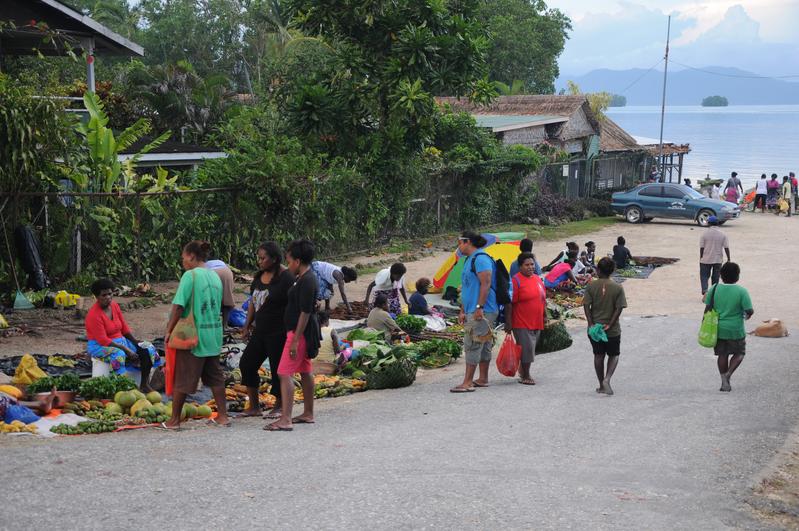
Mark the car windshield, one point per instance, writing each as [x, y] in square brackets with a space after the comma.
[693, 194]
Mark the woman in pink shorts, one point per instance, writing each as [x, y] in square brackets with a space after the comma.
[302, 337]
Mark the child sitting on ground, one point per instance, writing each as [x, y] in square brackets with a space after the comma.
[590, 250]
[330, 347]
[621, 254]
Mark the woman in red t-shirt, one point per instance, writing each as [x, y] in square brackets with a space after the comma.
[110, 338]
[525, 316]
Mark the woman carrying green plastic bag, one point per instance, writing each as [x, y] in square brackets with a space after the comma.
[731, 305]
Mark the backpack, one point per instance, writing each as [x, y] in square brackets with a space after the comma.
[500, 278]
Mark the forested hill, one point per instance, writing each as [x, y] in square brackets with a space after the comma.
[688, 87]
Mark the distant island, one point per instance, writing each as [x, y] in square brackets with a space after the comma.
[617, 100]
[715, 101]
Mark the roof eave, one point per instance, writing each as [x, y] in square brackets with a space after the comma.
[114, 38]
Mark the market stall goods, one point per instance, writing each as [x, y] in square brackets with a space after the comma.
[17, 427]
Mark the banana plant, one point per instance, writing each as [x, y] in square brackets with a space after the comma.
[102, 171]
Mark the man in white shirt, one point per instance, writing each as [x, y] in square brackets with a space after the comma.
[711, 246]
[761, 189]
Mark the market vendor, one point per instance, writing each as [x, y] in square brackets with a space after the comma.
[42, 406]
[561, 276]
[380, 320]
[391, 283]
[111, 339]
[328, 274]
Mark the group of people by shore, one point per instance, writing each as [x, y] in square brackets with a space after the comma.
[772, 194]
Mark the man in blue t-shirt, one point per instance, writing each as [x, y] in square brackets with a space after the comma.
[479, 310]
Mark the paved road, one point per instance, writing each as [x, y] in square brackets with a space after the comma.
[668, 451]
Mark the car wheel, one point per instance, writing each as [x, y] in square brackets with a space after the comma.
[633, 215]
[647, 220]
[703, 216]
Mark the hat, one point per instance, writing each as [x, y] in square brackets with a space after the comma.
[712, 220]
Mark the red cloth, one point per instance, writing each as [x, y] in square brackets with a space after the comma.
[300, 363]
[169, 370]
[102, 329]
[557, 271]
[529, 302]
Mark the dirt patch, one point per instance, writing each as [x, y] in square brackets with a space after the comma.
[775, 500]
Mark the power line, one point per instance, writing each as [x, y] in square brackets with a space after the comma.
[734, 75]
[639, 78]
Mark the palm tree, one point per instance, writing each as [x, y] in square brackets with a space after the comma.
[515, 89]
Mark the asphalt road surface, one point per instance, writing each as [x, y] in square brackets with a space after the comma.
[668, 451]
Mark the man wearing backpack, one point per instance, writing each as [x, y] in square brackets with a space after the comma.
[479, 310]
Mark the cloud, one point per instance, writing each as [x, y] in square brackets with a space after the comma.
[634, 37]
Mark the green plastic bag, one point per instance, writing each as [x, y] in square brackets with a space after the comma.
[709, 331]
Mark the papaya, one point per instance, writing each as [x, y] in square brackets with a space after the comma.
[154, 397]
[140, 405]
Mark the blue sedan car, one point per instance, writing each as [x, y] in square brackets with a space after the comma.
[676, 201]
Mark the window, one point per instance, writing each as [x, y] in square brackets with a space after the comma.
[651, 191]
[673, 192]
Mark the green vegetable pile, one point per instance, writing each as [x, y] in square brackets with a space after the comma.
[411, 323]
[66, 382]
[105, 387]
[437, 353]
[362, 334]
[102, 426]
[554, 337]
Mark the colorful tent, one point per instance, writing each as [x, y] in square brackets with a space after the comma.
[501, 246]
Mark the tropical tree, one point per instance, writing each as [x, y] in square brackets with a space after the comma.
[514, 89]
[598, 101]
[527, 37]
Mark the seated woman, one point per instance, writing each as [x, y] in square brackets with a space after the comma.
[380, 320]
[330, 346]
[418, 304]
[571, 247]
[110, 337]
[561, 276]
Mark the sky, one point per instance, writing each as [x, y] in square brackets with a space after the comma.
[761, 36]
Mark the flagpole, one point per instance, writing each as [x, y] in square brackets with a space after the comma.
[661, 160]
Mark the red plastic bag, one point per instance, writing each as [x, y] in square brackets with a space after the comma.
[169, 370]
[509, 355]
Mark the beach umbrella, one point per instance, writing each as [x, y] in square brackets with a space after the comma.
[501, 246]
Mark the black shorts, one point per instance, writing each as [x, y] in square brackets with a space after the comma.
[730, 347]
[611, 347]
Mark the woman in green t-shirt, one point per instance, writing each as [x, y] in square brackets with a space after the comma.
[733, 304]
[199, 293]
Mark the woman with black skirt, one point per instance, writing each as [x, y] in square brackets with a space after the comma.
[264, 326]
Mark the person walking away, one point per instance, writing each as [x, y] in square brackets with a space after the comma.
[735, 183]
[603, 303]
[733, 304]
[711, 245]
[525, 246]
[525, 316]
[787, 194]
[479, 310]
[761, 191]
[391, 283]
[795, 187]
[327, 275]
[302, 337]
[226, 276]
[264, 329]
[731, 194]
[621, 254]
[199, 293]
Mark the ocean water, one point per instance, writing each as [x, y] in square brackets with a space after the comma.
[749, 139]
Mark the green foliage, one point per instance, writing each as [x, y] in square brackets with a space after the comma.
[34, 132]
[715, 101]
[411, 323]
[526, 39]
[598, 101]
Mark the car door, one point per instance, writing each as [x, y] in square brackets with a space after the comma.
[651, 199]
[674, 202]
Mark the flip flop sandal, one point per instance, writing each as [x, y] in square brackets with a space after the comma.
[478, 384]
[298, 420]
[164, 427]
[213, 422]
[271, 415]
[526, 382]
[462, 390]
[246, 415]
[273, 427]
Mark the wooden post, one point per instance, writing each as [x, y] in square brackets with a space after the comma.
[137, 240]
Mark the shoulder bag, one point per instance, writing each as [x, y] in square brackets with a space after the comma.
[184, 335]
[709, 330]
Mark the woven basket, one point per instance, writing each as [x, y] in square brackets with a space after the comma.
[324, 368]
[553, 338]
[400, 374]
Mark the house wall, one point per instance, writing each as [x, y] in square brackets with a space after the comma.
[529, 136]
[578, 126]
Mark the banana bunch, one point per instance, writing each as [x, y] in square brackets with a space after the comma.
[78, 408]
[17, 426]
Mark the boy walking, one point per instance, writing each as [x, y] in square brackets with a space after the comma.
[603, 303]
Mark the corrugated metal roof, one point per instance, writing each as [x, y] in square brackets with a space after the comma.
[507, 122]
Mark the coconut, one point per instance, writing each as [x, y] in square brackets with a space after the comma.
[125, 399]
[154, 397]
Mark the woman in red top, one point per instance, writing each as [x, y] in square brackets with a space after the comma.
[526, 314]
[110, 337]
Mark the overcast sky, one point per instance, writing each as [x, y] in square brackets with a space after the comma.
[761, 36]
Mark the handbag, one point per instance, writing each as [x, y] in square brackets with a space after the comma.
[184, 335]
[709, 330]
